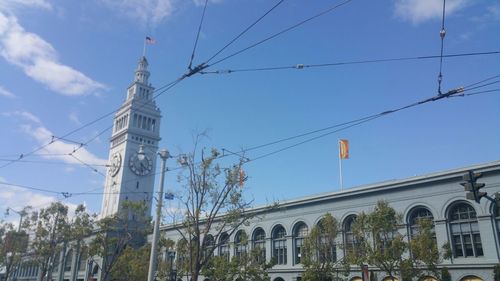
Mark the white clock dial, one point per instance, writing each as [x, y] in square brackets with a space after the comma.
[140, 167]
[115, 164]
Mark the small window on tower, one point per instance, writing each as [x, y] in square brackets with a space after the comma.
[137, 185]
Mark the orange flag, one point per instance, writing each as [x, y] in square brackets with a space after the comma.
[344, 149]
[242, 177]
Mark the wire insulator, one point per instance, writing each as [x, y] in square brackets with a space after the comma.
[442, 33]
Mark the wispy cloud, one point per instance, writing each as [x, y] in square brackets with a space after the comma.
[202, 2]
[18, 198]
[147, 12]
[418, 11]
[27, 116]
[73, 117]
[38, 59]
[59, 150]
[14, 4]
[6, 93]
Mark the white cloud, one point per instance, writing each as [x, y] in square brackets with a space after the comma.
[73, 117]
[6, 93]
[148, 12]
[202, 2]
[39, 60]
[13, 4]
[58, 149]
[417, 11]
[24, 115]
[18, 198]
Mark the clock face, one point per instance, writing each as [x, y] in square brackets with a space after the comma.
[115, 164]
[140, 167]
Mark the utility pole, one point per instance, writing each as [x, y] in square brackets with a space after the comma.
[164, 154]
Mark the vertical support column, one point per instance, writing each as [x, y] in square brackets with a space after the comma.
[269, 249]
[289, 250]
[74, 264]
[487, 231]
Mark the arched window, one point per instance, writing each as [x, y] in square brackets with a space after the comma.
[299, 234]
[240, 243]
[68, 261]
[259, 242]
[224, 245]
[348, 236]
[278, 279]
[208, 246]
[415, 216]
[83, 260]
[279, 244]
[464, 229]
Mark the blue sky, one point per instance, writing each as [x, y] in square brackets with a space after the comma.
[66, 63]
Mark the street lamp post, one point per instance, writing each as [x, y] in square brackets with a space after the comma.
[21, 214]
[164, 154]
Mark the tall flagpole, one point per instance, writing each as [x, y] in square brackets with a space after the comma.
[144, 48]
[340, 166]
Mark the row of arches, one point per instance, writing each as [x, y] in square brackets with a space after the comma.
[462, 223]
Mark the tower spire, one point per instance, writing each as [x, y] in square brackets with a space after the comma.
[142, 73]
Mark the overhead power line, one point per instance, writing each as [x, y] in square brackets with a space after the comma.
[442, 34]
[282, 31]
[353, 62]
[158, 92]
[198, 35]
[244, 31]
[338, 127]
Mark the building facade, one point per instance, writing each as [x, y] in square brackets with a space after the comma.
[471, 229]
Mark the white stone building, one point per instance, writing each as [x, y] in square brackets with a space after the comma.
[473, 230]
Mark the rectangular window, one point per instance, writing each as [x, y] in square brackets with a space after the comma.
[458, 246]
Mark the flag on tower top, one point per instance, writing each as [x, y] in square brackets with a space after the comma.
[344, 149]
[150, 40]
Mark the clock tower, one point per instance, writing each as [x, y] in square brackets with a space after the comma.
[133, 146]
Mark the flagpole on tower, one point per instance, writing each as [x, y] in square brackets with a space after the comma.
[144, 49]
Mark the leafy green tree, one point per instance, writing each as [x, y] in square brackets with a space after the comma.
[213, 204]
[496, 273]
[13, 244]
[165, 267]
[81, 227]
[425, 255]
[319, 257]
[247, 266]
[132, 264]
[51, 231]
[114, 234]
[445, 274]
[377, 236]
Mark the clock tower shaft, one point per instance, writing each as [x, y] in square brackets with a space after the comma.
[136, 124]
